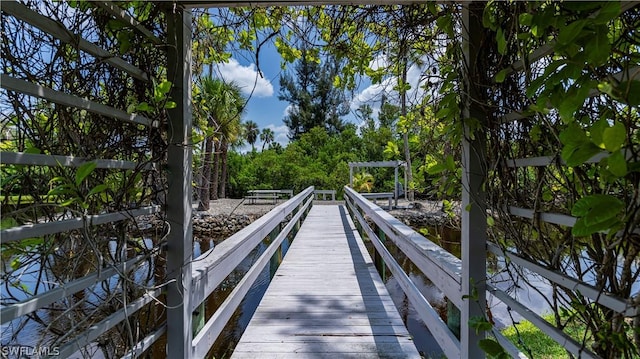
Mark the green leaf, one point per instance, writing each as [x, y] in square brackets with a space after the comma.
[68, 202]
[97, 189]
[124, 43]
[83, 171]
[577, 155]
[143, 106]
[490, 221]
[631, 92]
[60, 190]
[597, 131]
[609, 11]
[480, 324]
[502, 42]
[573, 134]
[568, 34]
[606, 87]
[436, 168]
[489, 17]
[597, 202]
[16, 263]
[500, 76]
[599, 48]
[32, 149]
[451, 164]
[445, 23]
[597, 213]
[491, 347]
[164, 87]
[581, 229]
[617, 164]
[525, 19]
[614, 137]
[170, 104]
[6, 223]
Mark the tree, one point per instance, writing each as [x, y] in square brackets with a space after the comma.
[267, 136]
[315, 102]
[251, 132]
[220, 104]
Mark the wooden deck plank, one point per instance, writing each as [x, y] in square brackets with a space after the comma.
[326, 300]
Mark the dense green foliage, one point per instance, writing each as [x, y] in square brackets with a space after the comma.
[316, 159]
[570, 110]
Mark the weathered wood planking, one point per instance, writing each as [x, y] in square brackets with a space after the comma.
[326, 300]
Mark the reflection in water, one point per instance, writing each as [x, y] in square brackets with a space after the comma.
[230, 335]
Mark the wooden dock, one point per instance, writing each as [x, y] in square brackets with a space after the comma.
[326, 300]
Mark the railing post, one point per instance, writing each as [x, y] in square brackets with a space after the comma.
[179, 177]
[382, 268]
[276, 259]
[474, 221]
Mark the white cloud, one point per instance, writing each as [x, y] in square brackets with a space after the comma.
[247, 77]
[288, 110]
[381, 61]
[280, 133]
[372, 95]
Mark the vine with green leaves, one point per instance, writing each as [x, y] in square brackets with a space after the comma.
[39, 194]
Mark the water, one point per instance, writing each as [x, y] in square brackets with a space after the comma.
[532, 292]
[231, 334]
[32, 278]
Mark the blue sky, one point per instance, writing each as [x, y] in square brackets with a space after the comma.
[263, 106]
[267, 111]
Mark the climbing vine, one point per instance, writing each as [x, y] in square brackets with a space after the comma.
[38, 194]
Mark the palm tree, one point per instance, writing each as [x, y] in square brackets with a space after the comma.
[229, 135]
[251, 132]
[363, 182]
[220, 104]
[267, 136]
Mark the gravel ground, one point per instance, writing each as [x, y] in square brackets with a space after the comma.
[240, 206]
[230, 206]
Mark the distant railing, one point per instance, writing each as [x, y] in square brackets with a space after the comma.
[321, 194]
[213, 266]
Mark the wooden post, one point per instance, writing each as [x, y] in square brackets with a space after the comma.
[351, 176]
[382, 268]
[276, 259]
[453, 318]
[395, 183]
[474, 218]
[179, 175]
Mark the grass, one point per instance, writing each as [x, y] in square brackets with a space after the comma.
[533, 340]
[27, 199]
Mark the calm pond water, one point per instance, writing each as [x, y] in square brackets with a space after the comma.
[534, 297]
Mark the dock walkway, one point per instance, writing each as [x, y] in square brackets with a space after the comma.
[326, 300]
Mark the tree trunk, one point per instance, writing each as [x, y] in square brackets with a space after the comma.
[203, 204]
[405, 136]
[223, 176]
[213, 193]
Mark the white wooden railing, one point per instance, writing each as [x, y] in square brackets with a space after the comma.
[213, 266]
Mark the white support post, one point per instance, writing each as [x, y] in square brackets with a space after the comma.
[395, 183]
[474, 218]
[179, 175]
[350, 176]
[406, 185]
